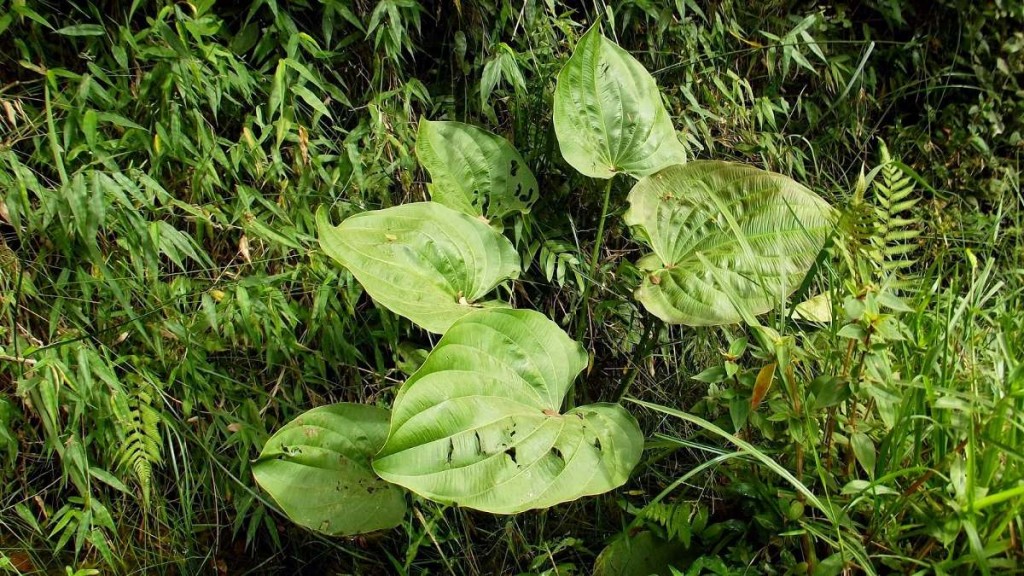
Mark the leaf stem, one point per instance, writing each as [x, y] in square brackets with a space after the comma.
[18, 360]
[595, 255]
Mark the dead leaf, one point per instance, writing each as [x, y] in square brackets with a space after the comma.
[762, 385]
[243, 249]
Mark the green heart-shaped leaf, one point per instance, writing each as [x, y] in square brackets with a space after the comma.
[728, 240]
[478, 424]
[474, 171]
[317, 469]
[609, 117]
[423, 261]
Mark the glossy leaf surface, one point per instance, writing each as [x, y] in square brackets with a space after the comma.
[609, 117]
[479, 424]
[317, 469]
[728, 240]
[474, 171]
[423, 261]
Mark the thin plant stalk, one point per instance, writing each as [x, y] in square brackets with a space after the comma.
[643, 353]
[570, 396]
[595, 255]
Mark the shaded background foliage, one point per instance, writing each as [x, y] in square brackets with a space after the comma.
[164, 305]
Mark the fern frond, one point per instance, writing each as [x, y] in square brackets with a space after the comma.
[674, 518]
[896, 228]
[857, 226]
[9, 266]
[141, 450]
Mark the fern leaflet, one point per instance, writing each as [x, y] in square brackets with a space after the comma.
[895, 239]
[141, 451]
[674, 518]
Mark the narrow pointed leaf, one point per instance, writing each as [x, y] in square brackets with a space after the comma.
[729, 241]
[317, 469]
[478, 424]
[474, 171]
[423, 261]
[609, 117]
[762, 384]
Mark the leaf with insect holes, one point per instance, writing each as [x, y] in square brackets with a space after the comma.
[317, 469]
[608, 113]
[478, 424]
[474, 171]
[729, 241]
[423, 261]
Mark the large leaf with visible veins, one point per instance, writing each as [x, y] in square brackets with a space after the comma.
[423, 261]
[730, 241]
[317, 469]
[609, 117]
[474, 171]
[478, 425]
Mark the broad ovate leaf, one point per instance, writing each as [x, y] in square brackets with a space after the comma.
[423, 261]
[474, 171]
[815, 309]
[478, 425]
[609, 117]
[317, 469]
[730, 241]
[644, 554]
